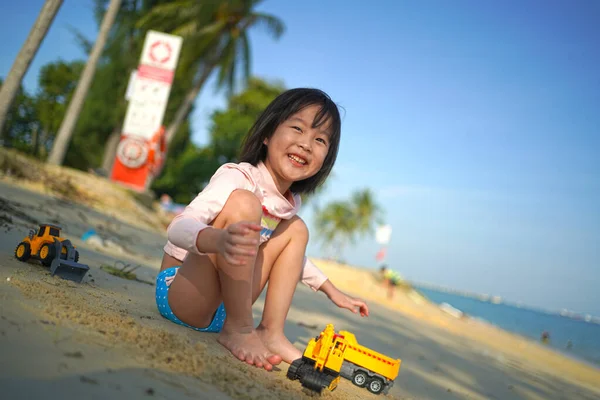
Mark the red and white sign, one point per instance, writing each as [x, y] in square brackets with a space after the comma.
[132, 152]
[148, 94]
[161, 50]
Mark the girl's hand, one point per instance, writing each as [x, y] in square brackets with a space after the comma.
[237, 242]
[355, 305]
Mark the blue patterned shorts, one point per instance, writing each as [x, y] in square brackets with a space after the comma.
[162, 302]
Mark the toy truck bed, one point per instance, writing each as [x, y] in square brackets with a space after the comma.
[370, 359]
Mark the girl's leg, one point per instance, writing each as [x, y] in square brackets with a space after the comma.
[168, 262]
[195, 292]
[199, 287]
[238, 334]
[280, 261]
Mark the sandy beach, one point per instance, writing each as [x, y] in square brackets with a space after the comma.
[104, 338]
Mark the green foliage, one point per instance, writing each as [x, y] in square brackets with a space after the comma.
[340, 222]
[34, 120]
[188, 173]
[57, 82]
[229, 127]
[21, 122]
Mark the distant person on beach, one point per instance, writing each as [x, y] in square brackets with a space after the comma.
[545, 337]
[391, 279]
[243, 231]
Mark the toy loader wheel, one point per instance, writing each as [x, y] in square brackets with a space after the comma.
[292, 372]
[47, 254]
[314, 381]
[23, 251]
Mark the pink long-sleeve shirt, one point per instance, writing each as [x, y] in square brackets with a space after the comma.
[199, 214]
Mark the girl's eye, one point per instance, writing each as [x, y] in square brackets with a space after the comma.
[322, 141]
[297, 128]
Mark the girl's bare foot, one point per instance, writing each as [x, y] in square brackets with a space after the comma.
[248, 347]
[277, 343]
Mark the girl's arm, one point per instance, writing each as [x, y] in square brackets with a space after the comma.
[318, 281]
[190, 231]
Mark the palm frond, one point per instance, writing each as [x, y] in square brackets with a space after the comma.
[273, 25]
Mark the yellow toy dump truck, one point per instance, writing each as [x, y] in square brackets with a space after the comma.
[53, 251]
[330, 356]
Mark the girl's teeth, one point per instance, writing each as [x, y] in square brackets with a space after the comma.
[298, 160]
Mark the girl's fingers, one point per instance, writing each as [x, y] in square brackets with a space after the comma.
[234, 260]
[362, 306]
[236, 252]
[251, 226]
[243, 241]
[244, 228]
[241, 250]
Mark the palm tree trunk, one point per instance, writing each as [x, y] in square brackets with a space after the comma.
[61, 143]
[23, 61]
[35, 140]
[185, 107]
[110, 149]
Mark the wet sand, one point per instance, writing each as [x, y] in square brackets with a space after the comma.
[104, 338]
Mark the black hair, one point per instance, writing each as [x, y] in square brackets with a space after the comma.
[279, 110]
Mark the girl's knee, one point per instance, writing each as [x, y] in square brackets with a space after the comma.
[297, 229]
[242, 205]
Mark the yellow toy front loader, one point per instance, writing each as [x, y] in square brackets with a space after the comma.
[53, 251]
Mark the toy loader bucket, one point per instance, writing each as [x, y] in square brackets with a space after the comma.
[67, 268]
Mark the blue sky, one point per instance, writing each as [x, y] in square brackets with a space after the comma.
[476, 124]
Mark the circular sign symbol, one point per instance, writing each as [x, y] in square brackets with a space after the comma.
[160, 52]
[132, 152]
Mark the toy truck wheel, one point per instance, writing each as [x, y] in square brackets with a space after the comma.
[359, 378]
[76, 257]
[375, 386]
[23, 251]
[47, 254]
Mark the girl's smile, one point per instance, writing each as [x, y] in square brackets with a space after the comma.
[297, 160]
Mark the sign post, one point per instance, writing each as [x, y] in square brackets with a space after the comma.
[142, 140]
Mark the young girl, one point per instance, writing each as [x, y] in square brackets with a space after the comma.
[242, 231]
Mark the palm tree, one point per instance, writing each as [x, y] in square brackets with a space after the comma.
[366, 211]
[63, 137]
[215, 39]
[339, 222]
[336, 226]
[11, 85]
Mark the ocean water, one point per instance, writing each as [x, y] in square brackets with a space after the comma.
[584, 336]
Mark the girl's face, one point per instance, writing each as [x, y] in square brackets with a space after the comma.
[296, 151]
